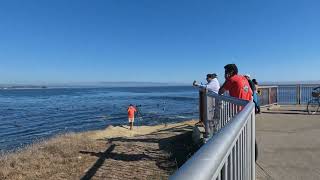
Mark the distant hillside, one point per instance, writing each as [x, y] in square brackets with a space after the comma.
[22, 87]
[93, 84]
[137, 84]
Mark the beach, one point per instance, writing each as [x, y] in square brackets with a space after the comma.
[30, 115]
[147, 152]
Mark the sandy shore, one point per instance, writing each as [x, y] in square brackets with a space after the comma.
[147, 152]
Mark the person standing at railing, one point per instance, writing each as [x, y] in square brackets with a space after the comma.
[256, 101]
[237, 85]
[252, 86]
[254, 91]
[211, 86]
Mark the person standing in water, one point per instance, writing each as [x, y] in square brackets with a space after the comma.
[131, 112]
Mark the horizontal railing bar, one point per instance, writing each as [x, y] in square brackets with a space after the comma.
[268, 87]
[230, 99]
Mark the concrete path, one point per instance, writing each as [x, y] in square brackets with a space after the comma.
[289, 144]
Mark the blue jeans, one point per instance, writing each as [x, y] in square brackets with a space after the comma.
[256, 102]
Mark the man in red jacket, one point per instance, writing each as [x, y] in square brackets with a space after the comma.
[237, 85]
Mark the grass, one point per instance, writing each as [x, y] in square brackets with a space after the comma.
[56, 158]
[150, 152]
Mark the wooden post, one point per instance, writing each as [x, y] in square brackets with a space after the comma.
[201, 105]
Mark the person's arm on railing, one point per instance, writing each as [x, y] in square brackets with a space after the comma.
[222, 89]
[202, 86]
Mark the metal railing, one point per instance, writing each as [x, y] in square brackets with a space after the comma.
[295, 94]
[268, 95]
[230, 153]
[286, 94]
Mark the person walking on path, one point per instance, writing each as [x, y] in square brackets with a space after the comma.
[131, 112]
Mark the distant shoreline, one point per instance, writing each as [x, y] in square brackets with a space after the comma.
[89, 87]
[126, 84]
[23, 87]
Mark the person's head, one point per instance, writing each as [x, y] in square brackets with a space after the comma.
[131, 105]
[247, 76]
[211, 76]
[255, 81]
[230, 70]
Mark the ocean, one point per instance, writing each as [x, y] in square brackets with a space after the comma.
[29, 115]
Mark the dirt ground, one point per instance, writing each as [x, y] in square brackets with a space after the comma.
[148, 152]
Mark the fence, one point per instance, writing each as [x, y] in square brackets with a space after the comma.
[295, 94]
[230, 153]
[286, 94]
[268, 95]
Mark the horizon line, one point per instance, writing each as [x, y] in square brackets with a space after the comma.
[106, 83]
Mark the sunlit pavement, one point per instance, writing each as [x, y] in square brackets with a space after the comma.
[289, 144]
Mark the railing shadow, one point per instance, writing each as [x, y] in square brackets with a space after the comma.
[178, 145]
[287, 111]
[102, 157]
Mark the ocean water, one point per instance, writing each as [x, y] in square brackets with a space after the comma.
[32, 114]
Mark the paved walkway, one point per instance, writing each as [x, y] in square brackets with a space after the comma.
[289, 144]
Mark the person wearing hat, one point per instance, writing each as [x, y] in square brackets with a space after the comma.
[254, 92]
[252, 86]
[212, 85]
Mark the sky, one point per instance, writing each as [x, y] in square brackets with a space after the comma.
[67, 41]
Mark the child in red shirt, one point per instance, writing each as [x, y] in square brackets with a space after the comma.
[131, 111]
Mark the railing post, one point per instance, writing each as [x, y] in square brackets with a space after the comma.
[277, 95]
[269, 95]
[205, 114]
[298, 94]
[201, 105]
[253, 145]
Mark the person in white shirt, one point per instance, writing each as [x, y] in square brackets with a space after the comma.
[212, 85]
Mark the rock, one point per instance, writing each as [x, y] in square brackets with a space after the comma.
[197, 134]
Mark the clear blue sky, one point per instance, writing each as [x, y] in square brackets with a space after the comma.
[157, 40]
